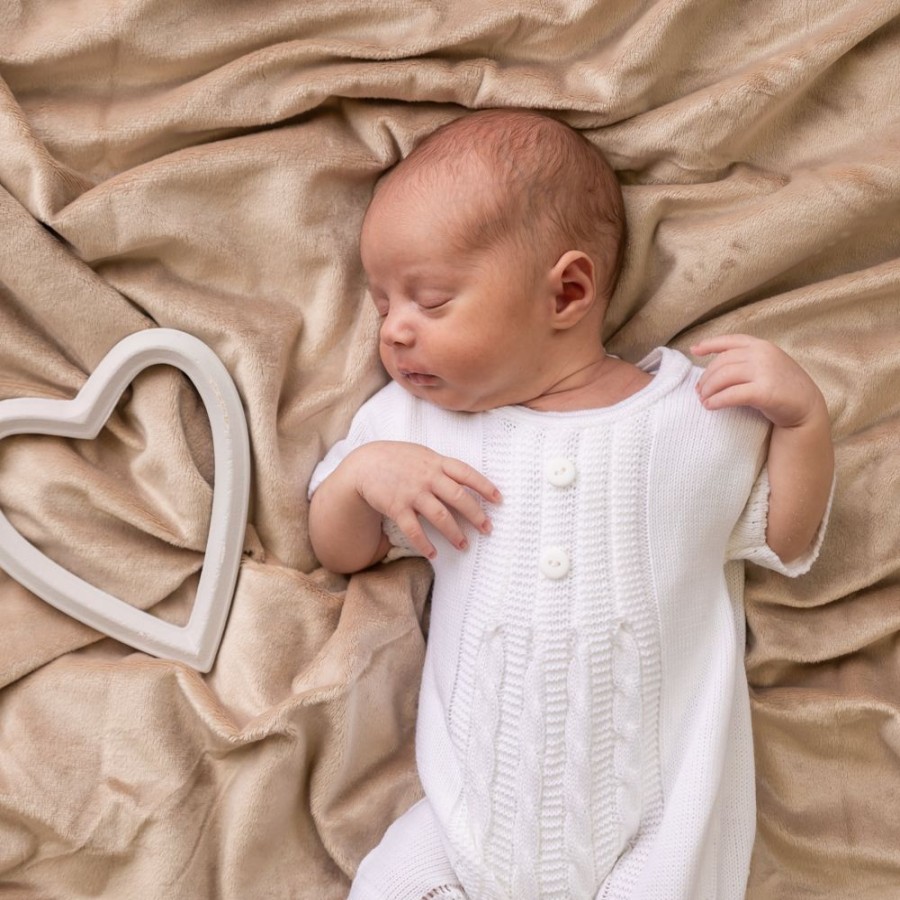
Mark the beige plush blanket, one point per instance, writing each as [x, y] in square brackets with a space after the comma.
[205, 166]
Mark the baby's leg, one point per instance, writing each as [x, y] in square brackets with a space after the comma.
[410, 863]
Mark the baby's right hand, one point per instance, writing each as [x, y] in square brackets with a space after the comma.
[404, 481]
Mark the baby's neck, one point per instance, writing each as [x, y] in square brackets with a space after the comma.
[604, 382]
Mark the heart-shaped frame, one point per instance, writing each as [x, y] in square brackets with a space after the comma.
[83, 417]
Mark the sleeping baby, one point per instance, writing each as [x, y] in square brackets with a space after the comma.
[584, 722]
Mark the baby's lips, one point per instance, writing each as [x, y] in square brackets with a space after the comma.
[419, 378]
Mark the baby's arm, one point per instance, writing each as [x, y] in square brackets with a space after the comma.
[401, 481]
[751, 372]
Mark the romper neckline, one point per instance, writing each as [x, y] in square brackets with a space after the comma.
[669, 368]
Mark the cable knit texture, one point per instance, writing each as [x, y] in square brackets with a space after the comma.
[584, 719]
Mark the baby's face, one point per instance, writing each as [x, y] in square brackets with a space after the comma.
[466, 331]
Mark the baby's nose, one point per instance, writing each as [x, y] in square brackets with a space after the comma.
[396, 330]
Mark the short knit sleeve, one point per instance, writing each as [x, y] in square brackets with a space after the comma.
[362, 431]
[748, 539]
[379, 418]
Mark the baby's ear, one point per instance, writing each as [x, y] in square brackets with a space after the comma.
[572, 285]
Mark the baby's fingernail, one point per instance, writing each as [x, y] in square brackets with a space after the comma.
[486, 526]
[431, 554]
[497, 496]
[463, 544]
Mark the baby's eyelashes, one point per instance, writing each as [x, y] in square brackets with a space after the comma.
[427, 304]
[432, 302]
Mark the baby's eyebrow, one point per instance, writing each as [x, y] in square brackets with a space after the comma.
[413, 281]
[427, 278]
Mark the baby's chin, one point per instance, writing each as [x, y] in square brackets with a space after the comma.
[434, 391]
[447, 399]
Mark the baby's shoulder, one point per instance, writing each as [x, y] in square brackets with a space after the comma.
[387, 405]
[393, 413]
[734, 431]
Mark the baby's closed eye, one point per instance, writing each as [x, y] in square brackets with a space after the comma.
[433, 301]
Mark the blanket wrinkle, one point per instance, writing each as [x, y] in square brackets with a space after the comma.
[203, 167]
[728, 271]
[41, 183]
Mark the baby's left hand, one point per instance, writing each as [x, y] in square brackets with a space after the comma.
[749, 371]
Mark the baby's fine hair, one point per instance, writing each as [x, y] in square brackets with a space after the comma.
[554, 191]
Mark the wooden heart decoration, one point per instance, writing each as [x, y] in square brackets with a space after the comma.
[197, 642]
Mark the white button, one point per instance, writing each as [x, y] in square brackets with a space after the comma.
[554, 562]
[560, 471]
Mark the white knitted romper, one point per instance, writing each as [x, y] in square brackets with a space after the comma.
[584, 725]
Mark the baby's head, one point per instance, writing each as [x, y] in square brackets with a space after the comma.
[491, 250]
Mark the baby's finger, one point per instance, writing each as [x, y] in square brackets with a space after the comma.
[721, 377]
[408, 522]
[737, 395]
[454, 495]
[435, 512]
[464, 474]
[721, 343]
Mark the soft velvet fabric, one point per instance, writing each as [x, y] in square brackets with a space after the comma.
[205, 166]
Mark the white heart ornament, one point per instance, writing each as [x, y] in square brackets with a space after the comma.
[197, 642]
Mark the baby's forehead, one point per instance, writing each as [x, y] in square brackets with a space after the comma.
[439, 180]
[458, 197]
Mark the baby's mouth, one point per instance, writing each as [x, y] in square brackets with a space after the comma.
[421, 379]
